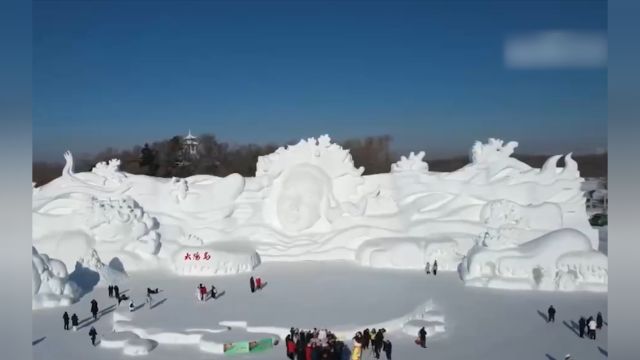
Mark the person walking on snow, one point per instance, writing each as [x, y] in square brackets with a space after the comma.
[551, 314]
[65, 318]
[93, 333]
[356, 353]
[258, 283]
[110, 290]
[149, 300]
[74, 322]
[94, 309]
[213, 292]
[422, 335]
[599, 321]
[592, 329]
[366, 337]
[387, 349]
[116, 291]
[582, 324]
[132, 306]
[435, 267]
[378, 342]
[252, 284]
[427, 268]
[291, 347]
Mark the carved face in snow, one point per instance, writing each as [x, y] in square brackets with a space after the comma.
[303, 197]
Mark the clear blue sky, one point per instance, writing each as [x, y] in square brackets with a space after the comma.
[429, 73]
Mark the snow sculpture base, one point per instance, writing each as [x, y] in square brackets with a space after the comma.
[225, 259]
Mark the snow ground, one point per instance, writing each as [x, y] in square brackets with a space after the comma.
[480, 323]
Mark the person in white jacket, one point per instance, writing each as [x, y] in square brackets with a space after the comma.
[592, 329]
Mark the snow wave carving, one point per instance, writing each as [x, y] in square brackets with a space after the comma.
[559, 260]
[50, 284]
[124, 222]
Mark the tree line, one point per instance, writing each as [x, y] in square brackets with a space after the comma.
[165, 158]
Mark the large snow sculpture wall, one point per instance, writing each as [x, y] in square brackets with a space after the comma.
[308, 201]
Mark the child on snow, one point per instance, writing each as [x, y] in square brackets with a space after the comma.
[93, 333]
[74, 322]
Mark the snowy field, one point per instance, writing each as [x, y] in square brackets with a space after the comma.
[480, 323]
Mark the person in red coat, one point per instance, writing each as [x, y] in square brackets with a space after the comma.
[307, 352]
[258, 283]
[291, 347]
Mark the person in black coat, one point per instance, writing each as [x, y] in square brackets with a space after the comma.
[366, 337]
[116, 291]
[582, 323]
[378, 342]
[387, 349]
[110, 289]
[93, 333]
[300, 346]
[65, 318]
[551, 314]
[252, 284]
[435, 267]
[599, 321]
[94, 309]
[74, 322]
[422, 335]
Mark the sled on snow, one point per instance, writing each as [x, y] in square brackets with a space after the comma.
[248, 347]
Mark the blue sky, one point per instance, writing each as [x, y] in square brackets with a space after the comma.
[431, 74]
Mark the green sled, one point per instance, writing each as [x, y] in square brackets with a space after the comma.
[247, 347]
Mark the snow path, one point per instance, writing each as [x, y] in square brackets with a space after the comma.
[480, 323]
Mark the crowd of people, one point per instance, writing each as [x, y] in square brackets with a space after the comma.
[371, 339]
[313, 345]
[588, 326]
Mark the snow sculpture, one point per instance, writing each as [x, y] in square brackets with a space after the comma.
[108, 275]
[104, 177]
[50, 285]
[311, 185]
[180, 188]
[109, 171]
[414, 163]
[123, 221]
[560, 260]
[332, 158]
[308, 201]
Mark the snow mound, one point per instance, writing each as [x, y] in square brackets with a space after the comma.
[50, 285]
[560, 260]
[137, 347]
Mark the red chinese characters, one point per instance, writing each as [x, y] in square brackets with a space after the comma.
[196, 256]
